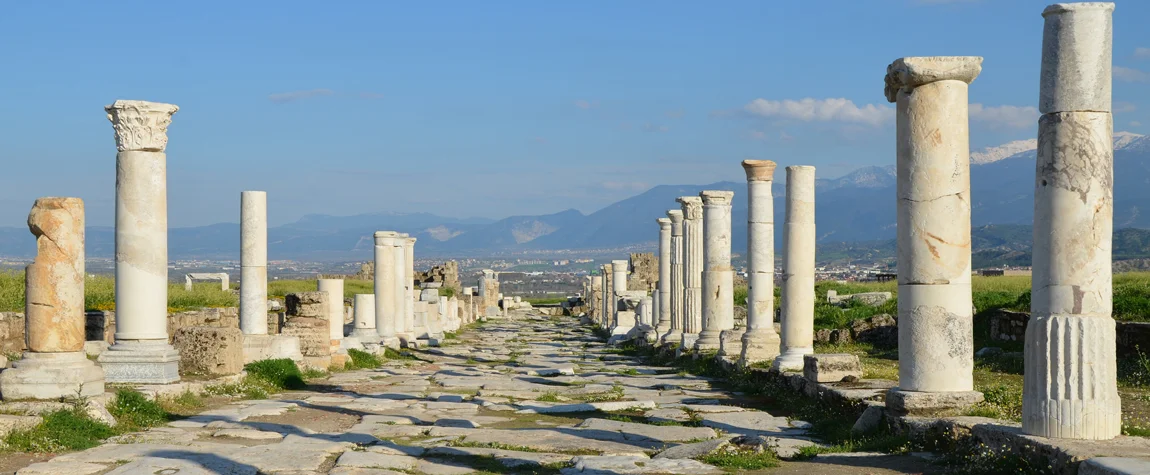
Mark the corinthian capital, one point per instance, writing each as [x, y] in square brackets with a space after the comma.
[692, 207]
[141, 125]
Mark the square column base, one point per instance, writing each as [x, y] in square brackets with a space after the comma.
[392, 342]
[731, 342]
[671, 338]
[792, 358]
[759, 346]
[141, 362]
[687, 344]
[928, 403]
[708, 341]
[51, 376]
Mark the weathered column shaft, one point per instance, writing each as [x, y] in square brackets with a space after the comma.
[675, 334]
[1070, 382]
[385, 286]
[141, 353]
[405, 331]
[363, 314]
[335, 309]
[608, 297]
[760, 342]
[254, 262]
[663, 305]
[798, 293]
[409, 282]
[692, 268]
[718, 295]
[618, 287]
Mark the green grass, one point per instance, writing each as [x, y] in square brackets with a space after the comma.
[280, 288]
[279, 373]
[545, 300]
[133, 411]
[730, 460]
[361, 360]
[62, 430]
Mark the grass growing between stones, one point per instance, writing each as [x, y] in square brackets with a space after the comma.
[358, 359]
[733, 460]
[62, 430]
[133, 411]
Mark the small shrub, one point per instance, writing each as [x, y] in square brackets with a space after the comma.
[742, 459]
[62, 430]
[133, 411]
[280, 373]
[549, 397]
[362, 360]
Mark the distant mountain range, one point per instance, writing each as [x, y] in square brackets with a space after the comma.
[855, 211]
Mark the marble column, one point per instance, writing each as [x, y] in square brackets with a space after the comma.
[935, 318]
[335, 308]
[718, 277]
[254, 262]
[618, 288]
[1070, 382]
[54, 364]
[692, 270]
[675, 288]
[404, 329]
[663, 304]
[608, 298]
[386, 319]
[409, 283]
[363, 314]
[798, 293]
[141, 353]
[595, 304]
[760, 342]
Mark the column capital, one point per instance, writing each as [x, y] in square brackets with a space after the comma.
[759, 170]
[386, 238]
[905, 74]
[692, 207]
[664, 223]
[1078, 6]
[620, 263]
[716, 197]
[409, 241]
[675, 216]
[141, 125]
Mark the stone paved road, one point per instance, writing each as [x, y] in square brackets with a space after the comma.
[519, 395]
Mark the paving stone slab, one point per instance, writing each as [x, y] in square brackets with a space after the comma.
[629, 464]
[634, 431]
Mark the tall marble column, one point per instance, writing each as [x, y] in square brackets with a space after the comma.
[335, 308]
[1070, 383]
[409, 283]
[618, 288]
[692, 270]
[608, 298]
[386, 318]
[718, 276]
[760, 342]
[675, 334]
[141, 353]
[935, 318]
[54, 364]
[404, 329]
[254, 262]
[663, 304]
[363, 315]
[798, 295]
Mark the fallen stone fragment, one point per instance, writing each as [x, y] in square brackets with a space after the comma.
[56, 467]
[634, 431]
[617, 464]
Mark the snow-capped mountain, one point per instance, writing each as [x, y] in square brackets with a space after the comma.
[1123, 141]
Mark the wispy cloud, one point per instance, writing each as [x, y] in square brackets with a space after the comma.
[1006, 116]
[1130, 74]
[285, 97]
[585, 104]
[1142, 53]
[820, 110]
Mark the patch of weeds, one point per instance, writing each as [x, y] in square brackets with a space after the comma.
[741, 459]
[133, 411]
[62, 430]
[978, 458]
[520, 448]
[358, 359]
[999, 402]
[312, 373]
[450, 336]
[184, 404]
[549, 396]
[393, 354]
[628, 372]
[1134, 371]
[280, 373]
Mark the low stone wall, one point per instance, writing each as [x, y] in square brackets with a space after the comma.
[879, 330]
[1132, 337]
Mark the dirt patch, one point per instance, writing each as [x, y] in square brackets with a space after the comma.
[325, 420]
[836, 464]
[10, 462]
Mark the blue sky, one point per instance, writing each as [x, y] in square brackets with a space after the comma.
[493, 108]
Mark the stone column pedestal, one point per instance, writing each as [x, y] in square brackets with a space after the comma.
[254, 262]
[692, 271]
[386, 298]
[760, 341]
[798, 295]
[674, 335]
[935, 320]
[363, 313]
[335, 312]
[54, 364]
[618, 289]
[1070, 381]
[141, 353]
[718, 277]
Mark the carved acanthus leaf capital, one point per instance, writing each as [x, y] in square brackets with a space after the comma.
[692, 207]
[141, 125]
[905, 74]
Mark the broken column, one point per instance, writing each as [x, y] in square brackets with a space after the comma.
[386, 319]
[334, 289]
[760, 342]
[363, 314]
[718, 276]
[798, 293]
[692, 270]
[935, 318]
[409, 283]
[404, 294]
[675, 283]
[663, 304]
[608, 298]
[618, 289]
[141, 353]
[254, 262]
[54, 364]
[1070, 381]
[595, 304]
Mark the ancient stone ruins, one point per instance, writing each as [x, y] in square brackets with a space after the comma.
[487, 395]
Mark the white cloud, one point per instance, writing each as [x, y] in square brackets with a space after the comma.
[1130, 74]
[1142, 53]
[285, 97]
[585, 104]
[820, 110]
[1008, 116]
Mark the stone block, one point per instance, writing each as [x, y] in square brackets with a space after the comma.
[934, 404]
[267, 347]
[209, 350]
[831, 367]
